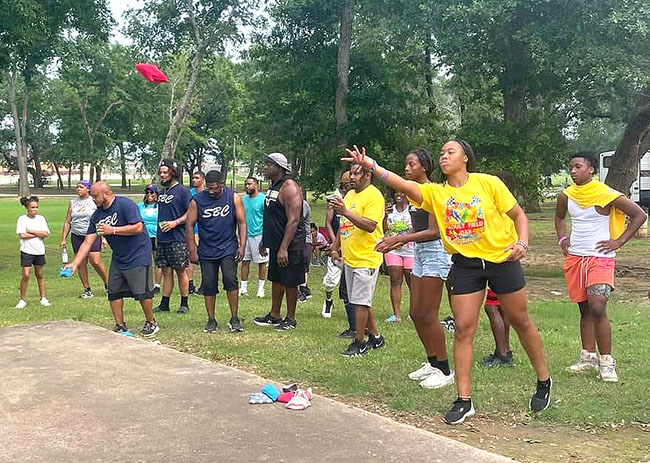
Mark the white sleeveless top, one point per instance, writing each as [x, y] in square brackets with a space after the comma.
[588, 227]
[399, 223]
[81, 210]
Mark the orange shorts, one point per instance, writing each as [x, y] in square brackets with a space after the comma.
[581, 272]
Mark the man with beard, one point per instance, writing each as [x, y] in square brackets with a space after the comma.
[198, 185]
[219, 213]
[254, 206]
[118, 220]
[172, 254]
[284, 236]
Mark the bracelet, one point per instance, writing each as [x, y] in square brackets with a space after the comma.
[562, 239]
[385, 175]
[523, 245]
[373, 166]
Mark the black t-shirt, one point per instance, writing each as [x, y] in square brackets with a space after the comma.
[172, 204]
[419, 219]
[128, 251]
[275, 221]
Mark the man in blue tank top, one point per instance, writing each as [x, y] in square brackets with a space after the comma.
[219, 213]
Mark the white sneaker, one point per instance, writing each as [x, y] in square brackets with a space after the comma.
[438, 380]
[21, 304]
[607, 368]
[260, 292]
[243, 292]
[423, 372]
[588, 361]
[45, 302]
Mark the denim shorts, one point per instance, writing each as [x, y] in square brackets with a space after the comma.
[431, 260]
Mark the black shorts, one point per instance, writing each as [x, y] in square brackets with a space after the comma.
[136, 282]
[172, 254]
[27, 260]
[153, 244]
[77, 241]
[471, 275]
[292, 275]
[210, 275]
[343, 289]
[307, 256]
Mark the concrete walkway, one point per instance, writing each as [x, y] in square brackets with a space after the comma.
[74, 392]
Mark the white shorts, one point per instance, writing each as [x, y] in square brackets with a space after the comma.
[253, 250]
[361, 284]
[333, 276]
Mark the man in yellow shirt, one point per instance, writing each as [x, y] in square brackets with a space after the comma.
[361, 214]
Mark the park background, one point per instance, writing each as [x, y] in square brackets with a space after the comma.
[527, 83]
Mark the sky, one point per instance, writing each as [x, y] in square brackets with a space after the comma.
[117, 8]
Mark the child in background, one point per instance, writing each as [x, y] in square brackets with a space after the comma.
[32, 230]
[318, 246]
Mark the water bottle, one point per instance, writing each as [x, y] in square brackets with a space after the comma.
[64, 255]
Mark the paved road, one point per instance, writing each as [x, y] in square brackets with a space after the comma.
[74, 392]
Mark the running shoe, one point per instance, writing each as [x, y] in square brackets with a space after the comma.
[122, 330]
[587, 361]
[235, 325]
[393, 319]
[286, 325]
[87, 294]
[326, 311]
[437, 380]
[260, 291]
[191, 289]
[347, 334]
[160, 308]
[376, 342]
[541, 399]
[210, 327]
[607, 369]
[243, 292]
[449, 323]
[301, 296]
[423, 372]
[149, 329]
[45, 302]
[267, 320]
[21, 304]
[183, 309]
[460, 411]
[356, 349]
[306, 291]
[156, 289]
[496, 360]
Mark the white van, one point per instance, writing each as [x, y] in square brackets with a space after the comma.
[640, 189]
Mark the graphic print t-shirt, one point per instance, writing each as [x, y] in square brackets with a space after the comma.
[172, 204]
[472, 218]
[357, 245]
[399, 223]
[128, 251]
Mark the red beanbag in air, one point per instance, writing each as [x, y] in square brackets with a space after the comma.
[151, 73]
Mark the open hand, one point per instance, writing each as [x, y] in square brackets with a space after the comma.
[359, 157]
[608, 246]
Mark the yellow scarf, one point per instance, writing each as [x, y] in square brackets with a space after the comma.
[596, 193]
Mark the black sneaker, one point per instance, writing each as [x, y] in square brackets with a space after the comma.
[183, 309]
[119, 329]
[106, 288]
[496, 360]
[267, 320]
[160, 308]
[306, 291]
[286, 325]
[449, 323]
[235, 325]
[149, 329]
[542, 397]
[191, 289]
[460, 411]
[326, 311]
[376, 342]
[210, 327]
[347, 334]
[301, 295]
[156, 289]
[356, 349]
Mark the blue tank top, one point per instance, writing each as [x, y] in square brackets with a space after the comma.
[217, 224]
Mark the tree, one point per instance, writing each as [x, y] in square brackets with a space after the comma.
[31, 31]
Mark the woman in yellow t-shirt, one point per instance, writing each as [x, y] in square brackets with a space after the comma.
[486, 232]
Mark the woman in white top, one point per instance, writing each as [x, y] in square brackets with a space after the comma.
[397, 221]
[32, 230]
[77, 221]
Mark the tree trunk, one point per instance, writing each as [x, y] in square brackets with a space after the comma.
[19, 134]
[38, 171]
[59, 180]
[81, 171]
[120, 147]
[343, 69]
[98, 172]
[70, 175]
[429, 77]
[180, 116]
[635, 142]
[91, 174]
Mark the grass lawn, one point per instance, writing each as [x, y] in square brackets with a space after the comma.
[310, 354]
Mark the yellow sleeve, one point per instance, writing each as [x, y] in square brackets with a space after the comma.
[427, 191]
[373, 208]
[503, 199]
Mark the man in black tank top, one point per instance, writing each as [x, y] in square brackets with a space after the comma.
[284, 235]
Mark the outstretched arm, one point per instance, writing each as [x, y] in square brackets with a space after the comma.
[409, 188]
